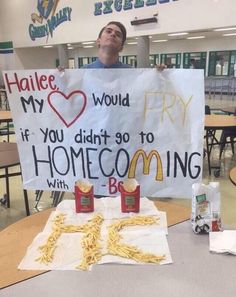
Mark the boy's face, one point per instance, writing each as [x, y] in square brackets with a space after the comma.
[111, 37]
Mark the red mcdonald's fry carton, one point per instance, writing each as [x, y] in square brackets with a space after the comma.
[130, 196]
[84, 197]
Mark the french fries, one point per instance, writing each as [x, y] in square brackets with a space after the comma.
[115, 247]
[90, 243]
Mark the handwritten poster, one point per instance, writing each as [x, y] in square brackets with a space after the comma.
[106, 125]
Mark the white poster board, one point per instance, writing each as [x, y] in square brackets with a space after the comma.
[109, 125]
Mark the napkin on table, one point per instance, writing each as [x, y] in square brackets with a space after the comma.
[223, 242]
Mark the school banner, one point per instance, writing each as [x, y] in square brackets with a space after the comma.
[107, 125]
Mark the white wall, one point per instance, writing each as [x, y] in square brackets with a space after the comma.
[35, 58]
[28, 58]
[173, 16]
[180, 15]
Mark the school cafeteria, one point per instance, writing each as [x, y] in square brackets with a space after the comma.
[118, 148]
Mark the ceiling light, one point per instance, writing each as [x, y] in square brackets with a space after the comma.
[47, 46]
[229, 34]
[178, 34]
[132, 42]
[196, 37]
[88, 46]
[160, 40]
[225, 29]
[70, 47]
[150, 37]
[88, 42]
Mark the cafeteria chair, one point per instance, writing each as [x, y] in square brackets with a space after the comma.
[211, 141]
[9, 158]
[56, 196]
[38, 195]
[207, 109]
[7, 130]
[232, 175]
[210, 133]
[4, 104]
[228, 136]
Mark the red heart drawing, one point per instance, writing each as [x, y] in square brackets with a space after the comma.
[68, 111]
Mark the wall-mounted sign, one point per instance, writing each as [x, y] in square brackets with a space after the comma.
[47, 19]
[6, 47]
[111, 6]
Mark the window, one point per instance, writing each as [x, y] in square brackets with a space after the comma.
[85, 60]
[71, 63]
[131, 60]
[57, 63]
[196, 60]
[153, 60]
[232, 66]
[221, 63]
[171, 60]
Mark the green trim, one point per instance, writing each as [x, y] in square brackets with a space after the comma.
[57, 63]
[6, 45]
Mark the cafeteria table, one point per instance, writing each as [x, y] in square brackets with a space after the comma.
[12, 250]
[232, 175]
[195, 271]
[9, 158]
[6, 117]
[229, 109]
[215, 122]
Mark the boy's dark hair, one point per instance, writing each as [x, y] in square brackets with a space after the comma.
[122, 29]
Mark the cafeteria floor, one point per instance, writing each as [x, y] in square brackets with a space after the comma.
[228, 190]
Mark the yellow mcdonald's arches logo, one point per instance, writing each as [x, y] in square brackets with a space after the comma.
[146, 164]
